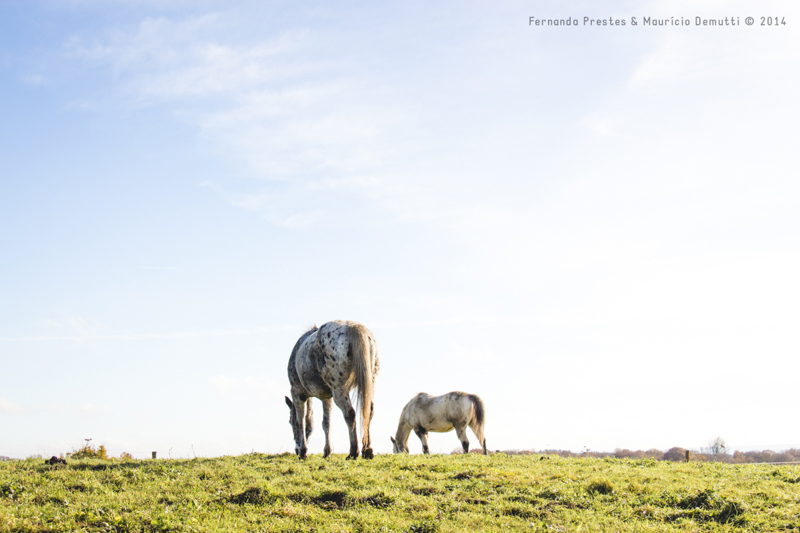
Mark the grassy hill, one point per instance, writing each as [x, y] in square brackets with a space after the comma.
[410, 493]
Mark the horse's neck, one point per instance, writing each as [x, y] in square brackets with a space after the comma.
[403, 431]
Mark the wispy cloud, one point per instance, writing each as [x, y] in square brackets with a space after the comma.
[274, 100]
[303, 120]
[164, 59]
[34, 79]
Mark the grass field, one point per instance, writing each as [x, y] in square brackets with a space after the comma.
[410, 493]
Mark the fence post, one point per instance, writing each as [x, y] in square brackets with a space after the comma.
[154, 455]
[687, 455]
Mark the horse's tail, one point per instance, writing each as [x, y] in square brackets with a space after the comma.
[478, 419]
[363, 377]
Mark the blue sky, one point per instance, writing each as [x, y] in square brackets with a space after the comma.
[595, 229]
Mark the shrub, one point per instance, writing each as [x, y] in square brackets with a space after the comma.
[88, 452]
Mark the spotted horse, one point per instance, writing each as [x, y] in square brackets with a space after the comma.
[327, 363]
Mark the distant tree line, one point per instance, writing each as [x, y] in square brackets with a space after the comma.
[678, 454]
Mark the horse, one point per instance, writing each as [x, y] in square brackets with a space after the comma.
[327, 363]
[440, 414]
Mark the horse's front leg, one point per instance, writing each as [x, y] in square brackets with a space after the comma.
[423, 437]
[326, 425]
[343, 402]
[309, 419]
[462, 436]
[300, 434]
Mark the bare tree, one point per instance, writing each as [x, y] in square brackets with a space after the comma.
[717, 447]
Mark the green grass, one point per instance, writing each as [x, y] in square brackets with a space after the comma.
[410, 493]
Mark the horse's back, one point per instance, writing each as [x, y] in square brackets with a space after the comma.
[322, 359]
[439, 413]
[455, 398]
[335, 336]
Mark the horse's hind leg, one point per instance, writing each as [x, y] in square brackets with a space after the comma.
[343, 402]
[462, 436]
[478, 431]
[326, 425]
[366, 443]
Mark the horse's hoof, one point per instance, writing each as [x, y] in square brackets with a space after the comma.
[366, 453]
[352, 456]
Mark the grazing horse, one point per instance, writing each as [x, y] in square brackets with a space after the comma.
[327, 363]
[426, 413]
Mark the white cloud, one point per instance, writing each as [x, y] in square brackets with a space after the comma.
[291, 111]
[9, 407]
[271, 102]
[34, 79]
[680, 57]
[224, 385]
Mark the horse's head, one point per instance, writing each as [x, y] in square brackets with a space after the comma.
[294, 424]
[398, 447]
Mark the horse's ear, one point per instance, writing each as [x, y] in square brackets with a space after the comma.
[289, 402]
[393, 441]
